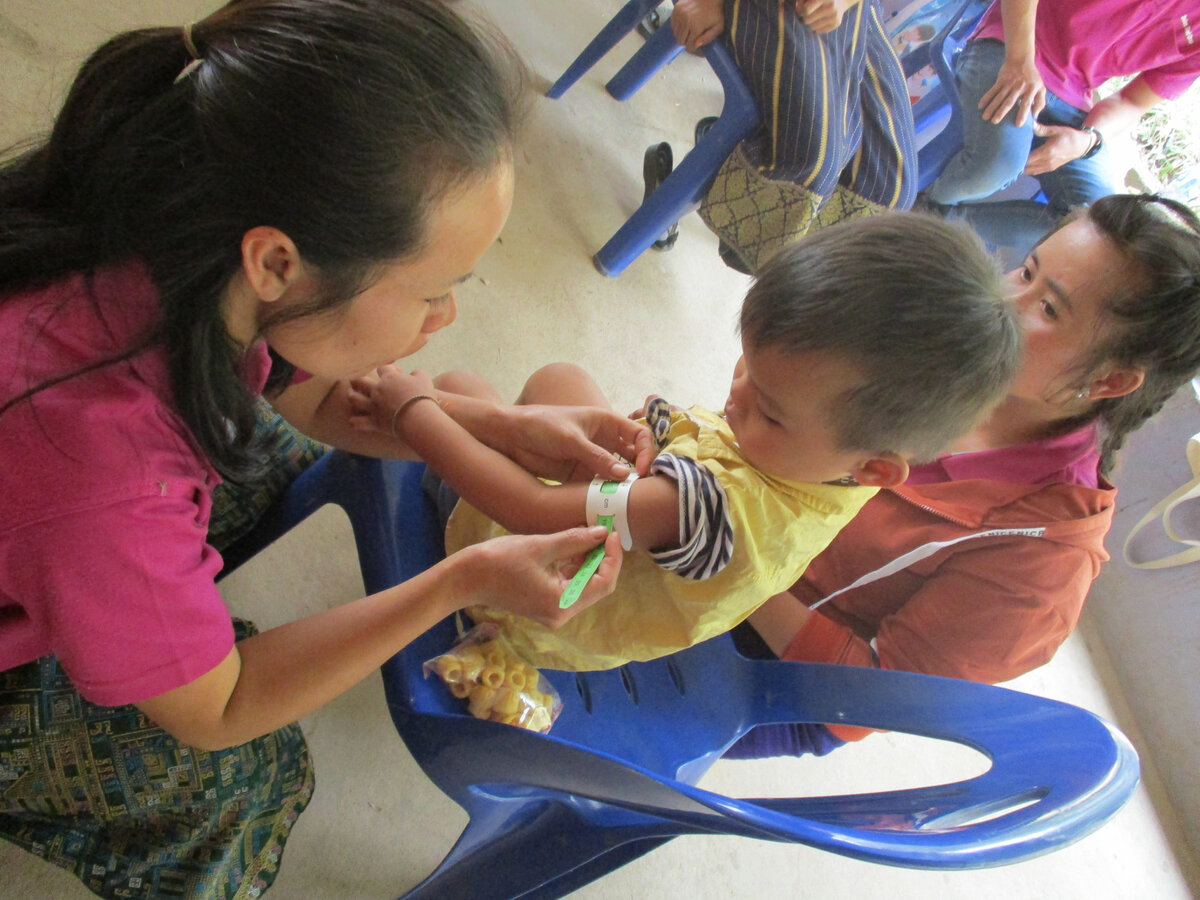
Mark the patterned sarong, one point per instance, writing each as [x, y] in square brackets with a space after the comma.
[131, 812]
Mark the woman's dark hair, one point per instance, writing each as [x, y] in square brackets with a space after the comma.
[338, 122]
[1154, 318]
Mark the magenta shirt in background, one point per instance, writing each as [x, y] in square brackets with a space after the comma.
[1070, 459]
[1083, 43]
[104, 498]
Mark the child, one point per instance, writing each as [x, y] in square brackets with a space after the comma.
[865, 345]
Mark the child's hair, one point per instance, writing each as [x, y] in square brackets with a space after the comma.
[1153, 320]
[339, 122]
[917, 303]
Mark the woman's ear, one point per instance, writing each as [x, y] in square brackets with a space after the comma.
[270, 262]
[884, 470]
[1116, 383]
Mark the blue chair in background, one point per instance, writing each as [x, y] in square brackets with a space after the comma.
[942, 103]
[682, 190]
[616, 776]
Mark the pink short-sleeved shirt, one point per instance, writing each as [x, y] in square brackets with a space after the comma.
[1083, 43]
[104, 498]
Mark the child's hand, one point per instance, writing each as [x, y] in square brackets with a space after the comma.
[644, 410]
[526, 574]
[377, 398]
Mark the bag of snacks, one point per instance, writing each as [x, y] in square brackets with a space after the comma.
[497, 684]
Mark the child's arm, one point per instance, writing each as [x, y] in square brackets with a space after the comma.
[492, 482]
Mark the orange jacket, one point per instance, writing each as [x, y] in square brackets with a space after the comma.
[987, 608]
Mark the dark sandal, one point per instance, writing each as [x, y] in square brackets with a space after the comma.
[649, 23]
[657, 164]
[703, 126]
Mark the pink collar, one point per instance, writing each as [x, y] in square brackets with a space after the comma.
[1072, 458]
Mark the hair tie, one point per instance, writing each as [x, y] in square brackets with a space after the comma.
[190, 46]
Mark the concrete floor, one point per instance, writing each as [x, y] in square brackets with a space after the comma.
[376, 825]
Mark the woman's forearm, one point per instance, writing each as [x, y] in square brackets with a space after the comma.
[1018, 18]
[486, 478]
[291, 670]
[279, 675]
[1119, 112]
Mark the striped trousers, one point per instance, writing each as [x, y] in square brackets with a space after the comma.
[837, 137]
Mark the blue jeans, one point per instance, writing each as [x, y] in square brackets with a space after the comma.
[993, 157]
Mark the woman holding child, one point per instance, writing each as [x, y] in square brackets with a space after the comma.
[285, 187]
[977, 567]
[977, 563]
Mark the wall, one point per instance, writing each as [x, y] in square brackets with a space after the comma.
[1150, 620]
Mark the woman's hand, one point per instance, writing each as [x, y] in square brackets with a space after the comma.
[1061, 145]
[823, 16]
[375, 398]
[572, 443]
[526, 574]
[1018, 84]
[697, 23]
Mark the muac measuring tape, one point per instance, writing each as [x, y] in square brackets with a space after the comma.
[607, 505]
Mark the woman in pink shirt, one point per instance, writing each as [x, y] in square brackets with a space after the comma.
[1027, 80]
[286, 186]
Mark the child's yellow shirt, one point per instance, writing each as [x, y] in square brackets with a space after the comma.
[778, 527]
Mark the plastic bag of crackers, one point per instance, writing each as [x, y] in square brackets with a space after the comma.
[496, 684]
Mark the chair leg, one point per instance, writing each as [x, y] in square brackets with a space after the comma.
[610, 35]
[522, 849]
[678, 194]
[657, 52]
[596, 868]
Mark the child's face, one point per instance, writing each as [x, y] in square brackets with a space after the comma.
[781, 410]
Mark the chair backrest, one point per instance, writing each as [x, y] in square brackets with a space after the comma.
[619, 767]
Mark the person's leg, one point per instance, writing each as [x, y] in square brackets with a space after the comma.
[1011, 228]
[771, 188]
[882, 174]
[468, 384]
[556, 384]
[992, 156]
[105, 794]
[562, 384]
[783, 738]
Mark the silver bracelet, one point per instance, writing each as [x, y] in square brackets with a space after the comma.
[405, 405]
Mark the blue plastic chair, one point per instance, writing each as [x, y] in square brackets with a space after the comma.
[941, 51]
[615, 777]
[682, 190]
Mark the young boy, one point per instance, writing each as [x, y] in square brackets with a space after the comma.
[867, 344]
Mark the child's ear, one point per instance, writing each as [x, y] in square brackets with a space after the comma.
[270, 262]
[885, 470]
